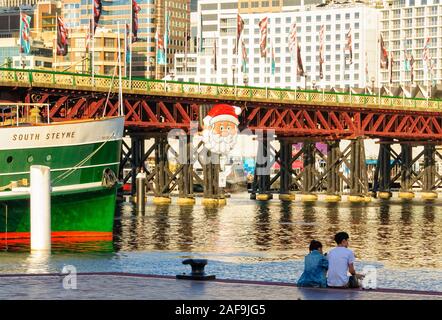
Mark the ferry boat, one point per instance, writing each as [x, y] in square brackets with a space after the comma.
[84, 158]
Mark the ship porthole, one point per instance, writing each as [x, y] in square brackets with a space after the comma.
[9, 159]
[30, 159]
[48, 158]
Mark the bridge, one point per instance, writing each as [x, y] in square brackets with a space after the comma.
[154, 107]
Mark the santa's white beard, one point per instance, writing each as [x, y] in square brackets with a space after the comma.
[218, 144]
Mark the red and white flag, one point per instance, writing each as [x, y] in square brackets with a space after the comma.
[62, 37]
[321, 51]
[263, 25]
[349, 47]
[292, 38]
[384, 54]
[239, 29]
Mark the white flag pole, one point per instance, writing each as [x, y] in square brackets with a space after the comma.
[131, 36]
[296, 61]
[120, 89]
[93, 43]
[165, 42]
[56, 41]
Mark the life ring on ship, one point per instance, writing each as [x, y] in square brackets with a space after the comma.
[109, 178]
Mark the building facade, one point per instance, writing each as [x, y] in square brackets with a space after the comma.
[151, 17]
[218, 25]
[405, 26]
[105, 53]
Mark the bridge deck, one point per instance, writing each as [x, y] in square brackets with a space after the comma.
[210, 92]
[148, 287]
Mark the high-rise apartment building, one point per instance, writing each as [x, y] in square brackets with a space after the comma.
[406, 26]
[17, 3]
[151, 17]
[219, 19]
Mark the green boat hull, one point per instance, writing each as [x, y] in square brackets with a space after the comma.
[84, 159]
[91, 211]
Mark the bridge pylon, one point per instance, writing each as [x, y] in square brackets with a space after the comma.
[358, 172]
[406, 190]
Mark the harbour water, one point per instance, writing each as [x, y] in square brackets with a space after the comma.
[257, 241]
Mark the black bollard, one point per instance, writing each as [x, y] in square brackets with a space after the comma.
[197, 270]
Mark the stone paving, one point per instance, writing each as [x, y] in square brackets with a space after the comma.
[136, 287]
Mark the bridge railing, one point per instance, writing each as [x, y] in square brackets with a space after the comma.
[44, 78]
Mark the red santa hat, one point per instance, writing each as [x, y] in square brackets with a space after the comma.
[222, 112]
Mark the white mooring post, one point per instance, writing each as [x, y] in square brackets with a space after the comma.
[40, 191]
[141, 191]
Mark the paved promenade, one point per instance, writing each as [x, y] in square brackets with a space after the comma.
[146, 287]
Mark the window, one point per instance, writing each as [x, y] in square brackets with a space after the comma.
[109, 56]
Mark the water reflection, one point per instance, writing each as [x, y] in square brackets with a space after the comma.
[396, 233]
[263, 232]
[38, 262]
[161, 227]
[284, 231]
[185, 228]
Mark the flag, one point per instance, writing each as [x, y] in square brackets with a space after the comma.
[366, 66]
[244, 57]
[349, 47]
[321, 51]
[239, 29]
[186, 45]
[161, 58]
[135, 10]
[127, 43]
[412, 67]
[273, 60]
[300, 70]
[214, 54]
[263, 24]
[25, 28]
[62, 38]
[407, 57]
[98, 9]
[292, 38]
[391, 67]
[384, 54]
[426, 56]
[167, 30]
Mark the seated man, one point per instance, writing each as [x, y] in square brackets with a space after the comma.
[340, 260]
[315, 267]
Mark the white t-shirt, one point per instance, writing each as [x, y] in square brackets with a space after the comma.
[338, 260]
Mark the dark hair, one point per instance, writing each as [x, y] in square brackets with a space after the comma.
[341, 236]
[314, 245]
